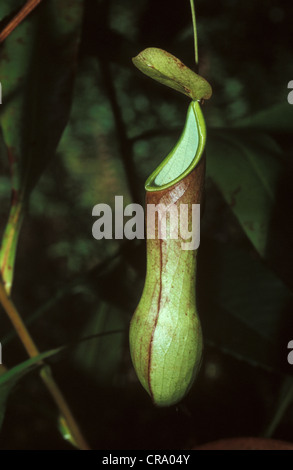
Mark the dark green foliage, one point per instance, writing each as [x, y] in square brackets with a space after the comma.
[103, 140]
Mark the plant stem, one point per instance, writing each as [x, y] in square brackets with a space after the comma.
[7, 259]
[19, 17]
[45, 373]
[65, 411]
[83, 280]
[194, 32]
[17, 322]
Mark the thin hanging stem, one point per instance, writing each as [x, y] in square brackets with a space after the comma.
[18, 18]
[17, 322]
[45, 374]
[194, 32]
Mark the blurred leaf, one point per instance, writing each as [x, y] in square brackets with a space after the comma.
[36, 66]
[101, 358]
[89, 151]
[277, 118]
[246, 168]
[245, 305]
[6, 8]
[170, 71]
[9, 379]
[88, 146]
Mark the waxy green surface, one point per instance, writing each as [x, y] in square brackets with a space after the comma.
[167, 69]
[165, 331]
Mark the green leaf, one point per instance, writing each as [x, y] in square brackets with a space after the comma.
[170, 71]
[246, 168]
[9, 379]
[243, 306]
[36, 67]
[65, 432]
[278, 118]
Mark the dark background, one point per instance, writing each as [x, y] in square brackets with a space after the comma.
[68, 285]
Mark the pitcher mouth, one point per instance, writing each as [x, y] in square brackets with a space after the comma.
[186, 154]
